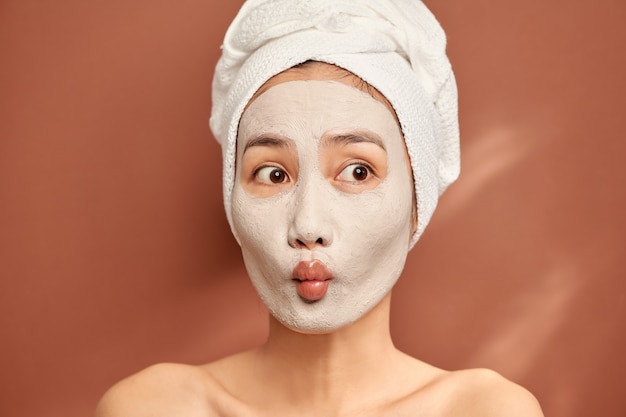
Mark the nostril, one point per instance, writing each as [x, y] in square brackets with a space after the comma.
[306, 243]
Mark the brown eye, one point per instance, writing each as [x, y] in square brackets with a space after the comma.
[354, 172]
[271, 175]
[359, 173]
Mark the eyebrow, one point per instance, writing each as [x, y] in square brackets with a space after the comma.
[267, 141]
[355, 138]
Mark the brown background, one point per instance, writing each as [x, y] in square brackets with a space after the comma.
[115, 253]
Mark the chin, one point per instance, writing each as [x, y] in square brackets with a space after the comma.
[325, 316]
[307, 327]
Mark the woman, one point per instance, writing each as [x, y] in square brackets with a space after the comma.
[338, 127]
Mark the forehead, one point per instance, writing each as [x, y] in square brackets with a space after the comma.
[315, 70]
[312, 108]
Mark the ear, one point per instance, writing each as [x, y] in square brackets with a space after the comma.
[413, 217]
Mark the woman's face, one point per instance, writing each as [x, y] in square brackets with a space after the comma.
[322, 202]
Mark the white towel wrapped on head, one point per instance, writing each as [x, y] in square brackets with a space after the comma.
[397, 46]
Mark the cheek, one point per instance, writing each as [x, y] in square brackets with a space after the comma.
[246, 217]
[374, 220]
[258, 222]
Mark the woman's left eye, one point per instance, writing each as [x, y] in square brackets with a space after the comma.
[354, 172]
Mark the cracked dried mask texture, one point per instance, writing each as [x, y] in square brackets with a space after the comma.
[300, 194]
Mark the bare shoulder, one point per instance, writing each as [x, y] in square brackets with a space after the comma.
[483, 392]
[159, 390]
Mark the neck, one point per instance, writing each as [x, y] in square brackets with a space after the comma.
[325, 369]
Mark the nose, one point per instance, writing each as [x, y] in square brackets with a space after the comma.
[310, 226]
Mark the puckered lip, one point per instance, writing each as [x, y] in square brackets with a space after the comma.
[313, 270]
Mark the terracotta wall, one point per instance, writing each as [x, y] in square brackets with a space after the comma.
[115, 253]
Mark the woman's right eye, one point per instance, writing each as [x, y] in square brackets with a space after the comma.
[271, 175]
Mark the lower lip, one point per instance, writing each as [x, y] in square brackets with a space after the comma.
[312, 290]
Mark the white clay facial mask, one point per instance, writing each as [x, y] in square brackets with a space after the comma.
[322, 202]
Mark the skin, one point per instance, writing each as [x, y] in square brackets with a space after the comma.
[353, 370]
[321, 176]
